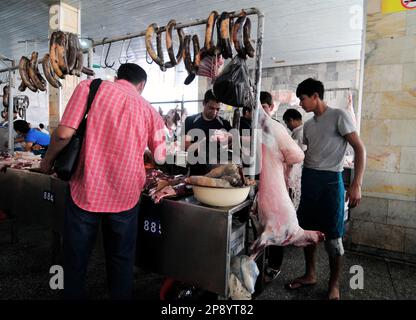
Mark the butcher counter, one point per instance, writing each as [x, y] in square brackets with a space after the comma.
[179, 238]
[190, 241]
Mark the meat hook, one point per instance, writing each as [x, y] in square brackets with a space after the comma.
[106, 57]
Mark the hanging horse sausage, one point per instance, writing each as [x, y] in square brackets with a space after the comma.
[224, 42]
[34, 73]
[23, 71]
[169, 44]
[156, 57]
[49, 73]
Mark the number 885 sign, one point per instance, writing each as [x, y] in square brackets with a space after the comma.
[152, 226]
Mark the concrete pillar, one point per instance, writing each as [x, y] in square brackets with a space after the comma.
[68, 19]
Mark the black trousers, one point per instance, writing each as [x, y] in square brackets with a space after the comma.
[274, 255]
[119, 235]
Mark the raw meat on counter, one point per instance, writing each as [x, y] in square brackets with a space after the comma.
[276, 212]
[21, 160]
[160, 185]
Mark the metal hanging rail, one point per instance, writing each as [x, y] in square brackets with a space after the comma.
[258, 63]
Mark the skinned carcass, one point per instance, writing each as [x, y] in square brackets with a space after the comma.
[276, 212]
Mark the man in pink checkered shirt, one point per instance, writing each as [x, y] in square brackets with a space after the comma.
[109, 178]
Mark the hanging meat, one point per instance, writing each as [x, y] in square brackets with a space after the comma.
[209, 46]
[156, 57]
[34, 73]
[276, 213]
[78, 64]
[241, 36]
[23, 71]
[223, 31]
[54, 56]
[174, 60]
[72, 50]
[49, 73]
[238, 35]
[65, 57]
[61, 40]
[191, 63]
[247, 41]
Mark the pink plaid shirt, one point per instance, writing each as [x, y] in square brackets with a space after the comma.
[110, 175]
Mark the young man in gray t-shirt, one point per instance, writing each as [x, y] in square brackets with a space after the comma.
[321, 207]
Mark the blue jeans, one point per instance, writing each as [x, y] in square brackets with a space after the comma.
[119, 235]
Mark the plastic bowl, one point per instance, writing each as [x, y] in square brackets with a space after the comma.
[221, 197]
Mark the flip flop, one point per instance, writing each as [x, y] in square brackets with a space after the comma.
[296, 284]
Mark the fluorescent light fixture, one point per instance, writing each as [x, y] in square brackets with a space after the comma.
[85, 43]
[275, 60]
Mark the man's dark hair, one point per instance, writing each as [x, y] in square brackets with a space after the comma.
[41, 125]
[309, 87]
[266, 97]
[131, 72]
[21, 126]
[209, 96]
[292, 114]
[246, 109]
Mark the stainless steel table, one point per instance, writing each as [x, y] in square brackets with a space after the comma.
[191, 242]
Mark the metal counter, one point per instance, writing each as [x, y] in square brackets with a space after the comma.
[191, 242]
[178, 238]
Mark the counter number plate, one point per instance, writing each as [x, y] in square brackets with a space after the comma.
[48, 196]
[152, 226]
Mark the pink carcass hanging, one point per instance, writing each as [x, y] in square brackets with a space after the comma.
[276, 212]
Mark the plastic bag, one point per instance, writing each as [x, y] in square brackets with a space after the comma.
[233, 85]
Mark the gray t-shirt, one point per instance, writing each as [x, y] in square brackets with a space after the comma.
[324, 137]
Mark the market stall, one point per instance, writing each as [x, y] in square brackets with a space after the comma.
[191, 242]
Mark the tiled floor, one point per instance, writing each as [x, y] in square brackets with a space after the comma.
[24, 274]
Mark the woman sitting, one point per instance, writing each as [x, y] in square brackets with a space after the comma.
[35, 140]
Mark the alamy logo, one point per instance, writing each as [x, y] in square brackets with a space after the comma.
[57, 280]
[356, 20]
[357, 280]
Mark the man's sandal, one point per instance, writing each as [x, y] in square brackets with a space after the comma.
[297, 284]
[270, 274]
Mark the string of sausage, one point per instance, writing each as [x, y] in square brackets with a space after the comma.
[209, 47]
[191, 65]
[23, 71]
[156, 57]
[223, 31]
[34, 73]
[53, 47]
[169, 44]
[48, 71]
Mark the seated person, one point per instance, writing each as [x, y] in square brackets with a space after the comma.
[5, 124]
[35, 140]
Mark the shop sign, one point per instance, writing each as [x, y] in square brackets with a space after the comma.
[390, 6]
[409, 4]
